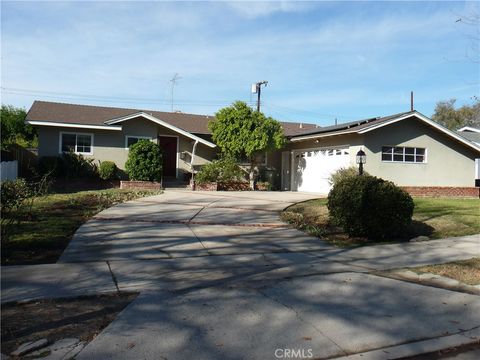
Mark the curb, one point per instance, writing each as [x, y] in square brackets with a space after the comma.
[418, 347]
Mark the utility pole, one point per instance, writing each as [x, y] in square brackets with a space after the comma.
[257, 88]
[173, 81]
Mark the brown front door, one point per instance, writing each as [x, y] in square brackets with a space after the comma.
[169, 147]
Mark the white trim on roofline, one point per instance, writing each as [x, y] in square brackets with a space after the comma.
[69, 125]
[426, 120]
[469, 128]
[163, 123]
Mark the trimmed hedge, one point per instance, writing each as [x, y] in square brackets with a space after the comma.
[144, 161]
[370, 207]
[343, 173]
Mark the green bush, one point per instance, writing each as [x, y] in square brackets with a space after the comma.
[77, 166]
[52, 165]
[108, 170]
[13, 194]
[370, 207]
[144, 161]
[225, 169]
[68, 165]
[344, 173]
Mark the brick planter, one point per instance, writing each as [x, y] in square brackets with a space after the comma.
[210, 186]
[221, 186]
[141, 185]
[262, 186]
[442, 191]
[234, 186]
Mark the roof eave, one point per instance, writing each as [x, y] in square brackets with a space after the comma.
[162, 123]
[317, 136]
[73, 125]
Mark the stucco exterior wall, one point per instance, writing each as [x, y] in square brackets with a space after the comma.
[111, 145]
[449, 163]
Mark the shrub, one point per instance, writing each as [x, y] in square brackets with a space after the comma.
[108, 170]
[144, 161]
[370, 207]
[13, 194]
[77, 166]
[225, 170]
[343, 173]
[52, 165]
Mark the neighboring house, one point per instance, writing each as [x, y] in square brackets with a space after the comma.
[407, 148]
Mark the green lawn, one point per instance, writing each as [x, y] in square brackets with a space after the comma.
[433, 217]
[55, 218]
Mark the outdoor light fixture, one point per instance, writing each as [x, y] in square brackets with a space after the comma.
[361, 159]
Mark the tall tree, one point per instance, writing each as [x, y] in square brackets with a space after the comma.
[14, 129]
[447, 115]
[240, 131]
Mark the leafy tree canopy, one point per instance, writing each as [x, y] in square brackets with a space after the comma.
[239, 130]
[447, 115]
[14, 129]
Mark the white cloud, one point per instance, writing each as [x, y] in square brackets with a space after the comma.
[254, 9]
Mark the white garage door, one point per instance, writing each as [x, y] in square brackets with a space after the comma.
[312, 168]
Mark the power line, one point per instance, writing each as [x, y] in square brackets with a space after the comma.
[97, 98]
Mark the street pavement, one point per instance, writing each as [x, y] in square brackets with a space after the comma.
[221, 277]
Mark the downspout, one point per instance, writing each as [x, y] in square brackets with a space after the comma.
[192, 183]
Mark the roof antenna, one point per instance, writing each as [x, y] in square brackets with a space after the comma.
[336, 121]
[173, 81]
[411, 100]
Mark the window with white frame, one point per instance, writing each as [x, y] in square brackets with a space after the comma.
[133, 139]
[77, 143]
[404, 154]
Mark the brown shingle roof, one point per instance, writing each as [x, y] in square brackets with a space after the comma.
[97, 115]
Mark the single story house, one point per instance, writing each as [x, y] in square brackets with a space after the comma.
[407, 148]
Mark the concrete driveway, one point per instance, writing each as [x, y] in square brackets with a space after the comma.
[187, 224]
[221, 277]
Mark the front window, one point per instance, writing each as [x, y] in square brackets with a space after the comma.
[404, 154]
[132, 139]
[77, 143]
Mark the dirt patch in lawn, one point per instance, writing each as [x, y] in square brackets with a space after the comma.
[465, 271]
[54, 319]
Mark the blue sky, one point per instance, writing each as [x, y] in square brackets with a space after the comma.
[323, 60]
